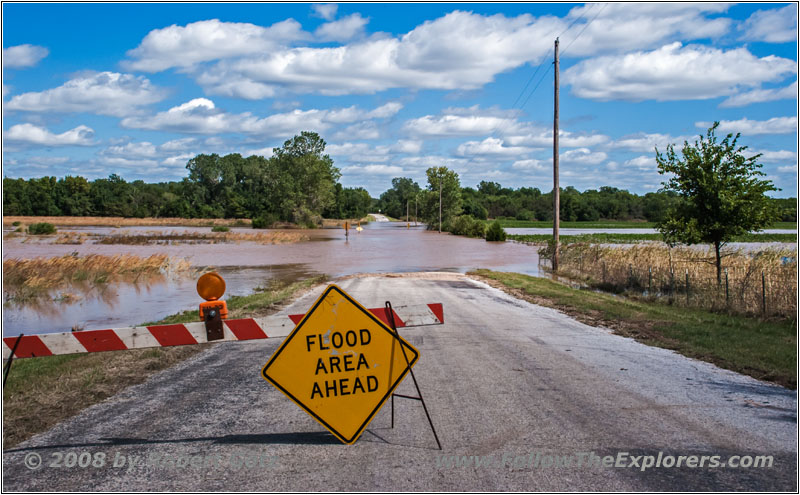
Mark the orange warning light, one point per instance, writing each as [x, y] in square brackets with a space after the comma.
[211, 286]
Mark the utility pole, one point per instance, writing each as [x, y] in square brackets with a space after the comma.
[406, 211]
[415, 211]
[440, 204]
[556, 191]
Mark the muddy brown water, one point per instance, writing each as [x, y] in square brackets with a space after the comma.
[382, 247]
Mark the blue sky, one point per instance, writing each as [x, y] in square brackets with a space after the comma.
[138, 89]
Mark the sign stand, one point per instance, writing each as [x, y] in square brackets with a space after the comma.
[390, 315]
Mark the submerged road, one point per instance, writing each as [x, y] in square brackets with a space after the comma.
[510, 385]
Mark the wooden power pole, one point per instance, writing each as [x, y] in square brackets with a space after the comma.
[556, 190]
[440, 204]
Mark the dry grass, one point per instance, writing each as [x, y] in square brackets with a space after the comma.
[658, 271]
[127, 222]
[26, 280]
[71, 238]
[203, 238]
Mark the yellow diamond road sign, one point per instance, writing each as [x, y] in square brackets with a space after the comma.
[340, 364]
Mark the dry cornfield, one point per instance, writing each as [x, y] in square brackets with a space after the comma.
[688, 276]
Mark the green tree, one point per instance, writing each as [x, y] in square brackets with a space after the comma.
[16, 197]
[393, 201]
[305, 178]
[722, 194]
[450, 197]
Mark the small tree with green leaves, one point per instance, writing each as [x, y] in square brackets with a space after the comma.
[495, 232]
[722, 193]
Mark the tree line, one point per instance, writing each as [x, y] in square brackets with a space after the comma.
[300, 184]
[491, 200]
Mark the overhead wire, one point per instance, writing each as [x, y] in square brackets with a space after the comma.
[498, 130]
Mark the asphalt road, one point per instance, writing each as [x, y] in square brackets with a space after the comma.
[503, 379]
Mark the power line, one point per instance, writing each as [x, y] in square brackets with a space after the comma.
[498, 130]
[584, 28]
[495, 132]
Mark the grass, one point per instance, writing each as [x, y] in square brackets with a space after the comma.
[26, 280]
[601, 224]
[612, 238]
[127, 222]
[42, 392]
[607, 224]
[763, 349]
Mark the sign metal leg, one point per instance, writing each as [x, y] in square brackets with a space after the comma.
[390, 315]
[10, 360]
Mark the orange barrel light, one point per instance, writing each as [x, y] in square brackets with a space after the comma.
[211, 286]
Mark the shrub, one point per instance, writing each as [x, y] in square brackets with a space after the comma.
[16, 224]
[264, 221]
[525, 215]
[219, 228]
[495, 232]
[42, 228]
[468, 226]
[304, 217]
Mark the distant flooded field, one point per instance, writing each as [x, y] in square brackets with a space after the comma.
[382, 247]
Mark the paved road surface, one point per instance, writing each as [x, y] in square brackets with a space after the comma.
[501, 378]
[379, 217]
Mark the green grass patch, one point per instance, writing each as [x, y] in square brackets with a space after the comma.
[611, 238]
[764, 349]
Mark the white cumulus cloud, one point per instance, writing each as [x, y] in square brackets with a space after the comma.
[104, 93]
[343, 29]
[201, 116]
[29, 134]
[490, 147]
[760, 95]
[616, 27]
[532, 164]
[582, 156]
[643, 162]
[775, 125]
[648, 142]
[773, 156]
[203, 41]
[21, 56]
[772, 26]
[376, 169]
[450, 125]
[325, 10]
[132, 149]
[674, 72]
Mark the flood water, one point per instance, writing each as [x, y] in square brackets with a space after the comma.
[382, 247]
